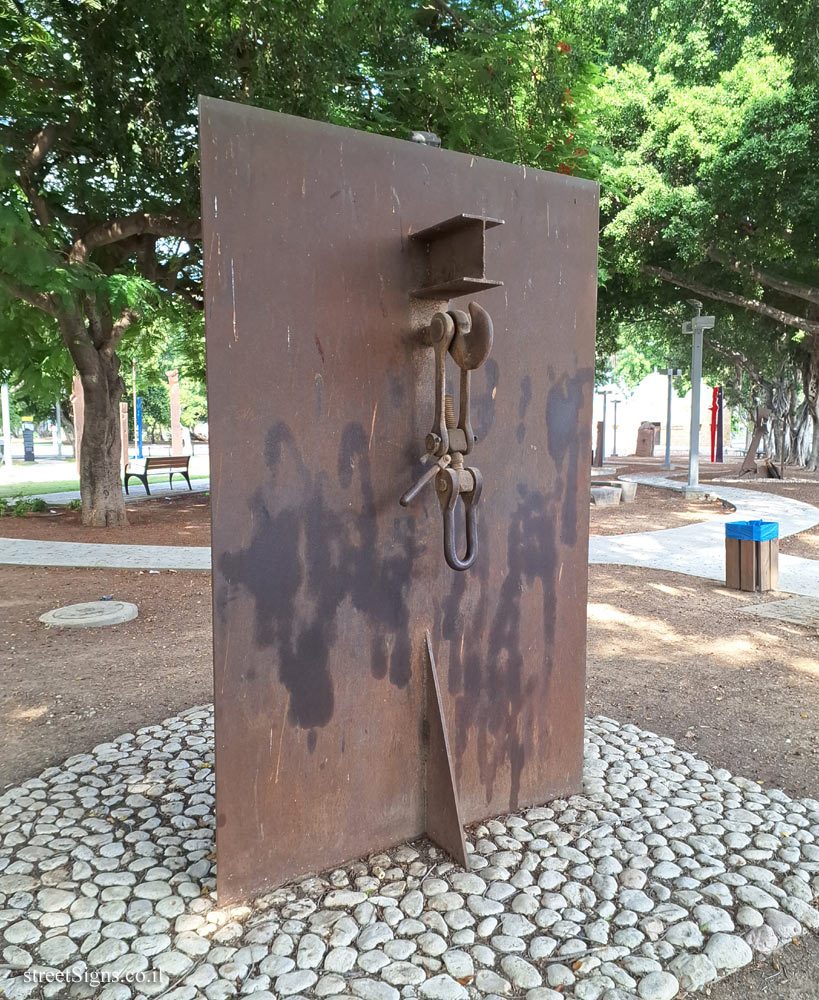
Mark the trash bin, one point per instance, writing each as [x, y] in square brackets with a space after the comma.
[752, 555]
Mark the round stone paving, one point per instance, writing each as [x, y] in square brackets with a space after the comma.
[91, 614]
[663, 875]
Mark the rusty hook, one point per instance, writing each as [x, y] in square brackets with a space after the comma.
[472, 342]
[449, 491]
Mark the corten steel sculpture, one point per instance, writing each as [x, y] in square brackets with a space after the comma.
[385, 671]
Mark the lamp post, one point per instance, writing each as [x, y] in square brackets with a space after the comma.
[133, 389]
[694, 327]
[605, 394]
[671, 373]
[59, 413]
[4, 397]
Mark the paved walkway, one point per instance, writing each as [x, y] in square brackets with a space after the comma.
[27, 552]
[696, 549]
[699, 549]
[137, 492]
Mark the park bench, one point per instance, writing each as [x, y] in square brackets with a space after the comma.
[172, 464]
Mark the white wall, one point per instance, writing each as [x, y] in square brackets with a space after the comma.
[649, 401]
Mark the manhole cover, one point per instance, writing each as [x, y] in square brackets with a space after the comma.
[795, 610]
[91, 614]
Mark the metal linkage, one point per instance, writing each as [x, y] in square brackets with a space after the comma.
[468, 338]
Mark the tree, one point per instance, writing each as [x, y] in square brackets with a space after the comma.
[99, 223]
[713, 193]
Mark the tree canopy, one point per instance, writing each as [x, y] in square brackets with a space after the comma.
[99, 226]
[698, 118]
[709, 190]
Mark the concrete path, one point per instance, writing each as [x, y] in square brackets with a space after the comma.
[27, 552]
[137, 492]
[699, 549]
[695, 549]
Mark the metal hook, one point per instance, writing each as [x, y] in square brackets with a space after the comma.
[472, 342]
[448, 486]
[468, 338]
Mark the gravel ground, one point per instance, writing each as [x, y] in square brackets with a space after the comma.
[65, 690]
[662, 877]
[677, 655]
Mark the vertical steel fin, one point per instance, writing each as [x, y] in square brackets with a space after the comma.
[443, 810]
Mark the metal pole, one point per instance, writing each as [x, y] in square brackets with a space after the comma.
[696, 379]
[603, 456]
[667, 465]
[133, 387]
[614, 444]
[138, 412]
[4, 404]
[59, 431]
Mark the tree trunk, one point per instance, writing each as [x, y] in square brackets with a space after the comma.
[103, 503]
[813, 458]
[810, 384]
[91, 342]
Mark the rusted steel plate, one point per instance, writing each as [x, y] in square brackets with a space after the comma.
[320, 397]
[444, 823]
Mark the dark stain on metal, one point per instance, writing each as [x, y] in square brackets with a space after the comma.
[320, 349]
[302, 638]
[531, 555]
[341, 561]
[523, 406]
[565, 405]
[397, 392]
[525, 396]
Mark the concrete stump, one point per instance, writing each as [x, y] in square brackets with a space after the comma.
[628, 491]
[605, 496]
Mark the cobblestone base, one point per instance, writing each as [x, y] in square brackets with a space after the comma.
[664, 875]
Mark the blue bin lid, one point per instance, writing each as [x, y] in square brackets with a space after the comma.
[756, 531]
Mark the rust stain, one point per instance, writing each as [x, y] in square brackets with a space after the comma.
[320, 348]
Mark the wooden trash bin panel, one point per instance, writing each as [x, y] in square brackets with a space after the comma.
[752, 555]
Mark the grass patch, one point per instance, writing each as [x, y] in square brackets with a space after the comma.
[32, 489]
[68, 485]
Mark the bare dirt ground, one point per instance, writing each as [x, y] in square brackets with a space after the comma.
[805, 544]
[738, 690]
[183, 519]
[654, 508]
[65, 690]
[741, 691]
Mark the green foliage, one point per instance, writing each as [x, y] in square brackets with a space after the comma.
[710, 188]
[21, 506]
[697, 116]
[75, 504]
[631, 366]
[113, 89]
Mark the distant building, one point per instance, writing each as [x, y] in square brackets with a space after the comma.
[648, 402]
